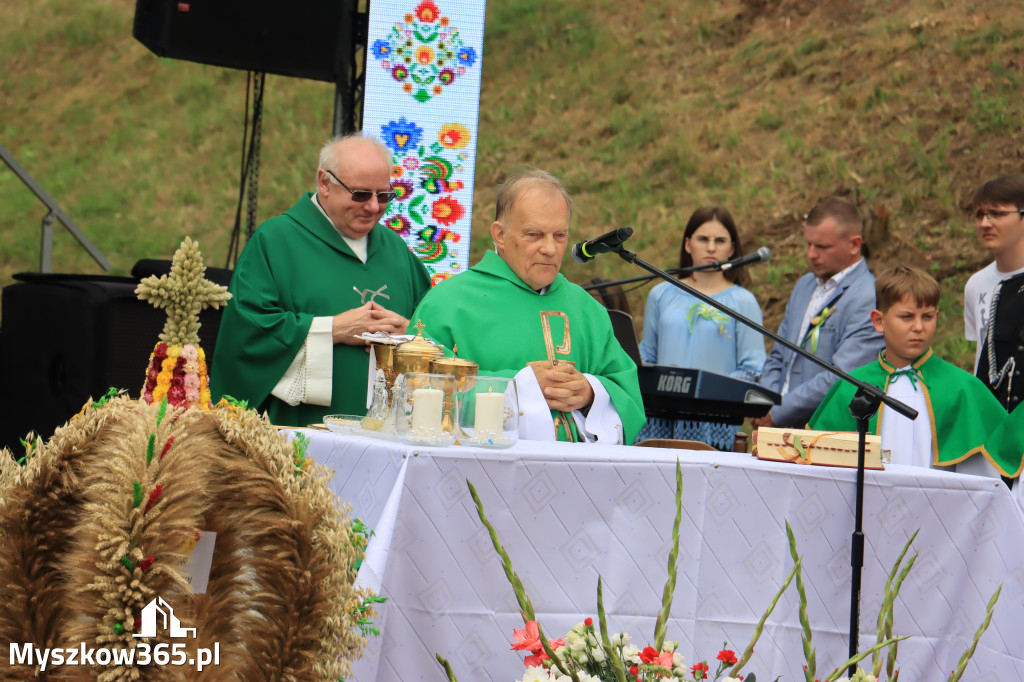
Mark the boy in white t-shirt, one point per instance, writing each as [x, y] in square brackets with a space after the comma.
[999, 221]
[956, 412]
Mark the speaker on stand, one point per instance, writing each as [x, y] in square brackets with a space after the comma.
[66, 338]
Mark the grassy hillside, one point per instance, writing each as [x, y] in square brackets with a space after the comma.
[647, 110]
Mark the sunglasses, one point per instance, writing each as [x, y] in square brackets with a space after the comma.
[363, 195]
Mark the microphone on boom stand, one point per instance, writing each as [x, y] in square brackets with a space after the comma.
[584, 252]
[759, 256]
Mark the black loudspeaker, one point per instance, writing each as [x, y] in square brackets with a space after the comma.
[66, 338]
[302, 38]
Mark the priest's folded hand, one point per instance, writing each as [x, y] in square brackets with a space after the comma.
[370, 317]
[565, 388]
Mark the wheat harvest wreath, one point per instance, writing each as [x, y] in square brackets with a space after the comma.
[97, 522]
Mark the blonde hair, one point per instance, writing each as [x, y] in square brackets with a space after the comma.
[896, 282]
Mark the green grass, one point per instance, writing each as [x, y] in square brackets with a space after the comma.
[647, 111]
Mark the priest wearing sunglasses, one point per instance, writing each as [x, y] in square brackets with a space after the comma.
[309, 283]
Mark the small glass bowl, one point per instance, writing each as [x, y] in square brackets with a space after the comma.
[343, 423]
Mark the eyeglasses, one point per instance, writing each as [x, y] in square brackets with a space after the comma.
[363, 195]
[979, 215]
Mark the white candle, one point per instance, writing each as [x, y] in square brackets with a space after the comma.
[490, 414]
[426, 409]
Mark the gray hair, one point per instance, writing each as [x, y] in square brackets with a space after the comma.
[512, 189]
[332, 154]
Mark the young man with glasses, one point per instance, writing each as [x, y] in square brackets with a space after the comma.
[994, 296]
[309, 283]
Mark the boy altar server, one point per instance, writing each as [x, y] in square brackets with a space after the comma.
[956, 412]
[509, 312]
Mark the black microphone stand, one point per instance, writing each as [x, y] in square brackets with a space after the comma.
[717, 265]
[864, 404]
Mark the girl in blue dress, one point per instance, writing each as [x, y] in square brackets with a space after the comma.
[683, 331]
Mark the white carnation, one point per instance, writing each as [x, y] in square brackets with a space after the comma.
[536, 674]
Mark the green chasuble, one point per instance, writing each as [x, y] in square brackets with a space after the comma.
[961, 410]
[296, 267]
[494, 318]
[1007, 442]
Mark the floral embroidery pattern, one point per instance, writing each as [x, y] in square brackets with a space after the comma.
[424, 177]
[424, 52]
[422, 99]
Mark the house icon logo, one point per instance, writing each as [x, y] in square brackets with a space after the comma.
[160, 610]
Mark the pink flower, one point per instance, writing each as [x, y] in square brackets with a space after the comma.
[536, 661]
[527, 638]
[664, 659]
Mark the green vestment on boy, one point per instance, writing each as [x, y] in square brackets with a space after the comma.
[296, 267]
[961, 410]
[494, 317]
[1007, 442]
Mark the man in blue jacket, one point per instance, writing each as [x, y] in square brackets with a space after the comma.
[828, 314]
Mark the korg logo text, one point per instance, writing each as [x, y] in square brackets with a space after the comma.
[672, 383]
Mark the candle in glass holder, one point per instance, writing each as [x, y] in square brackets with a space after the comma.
[426, 409]
[490, 413]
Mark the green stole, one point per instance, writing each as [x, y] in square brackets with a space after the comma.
[962, 412]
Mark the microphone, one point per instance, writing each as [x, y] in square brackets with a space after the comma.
[584, 252]
[759, 256]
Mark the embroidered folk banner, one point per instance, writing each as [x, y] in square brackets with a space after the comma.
[422, 100]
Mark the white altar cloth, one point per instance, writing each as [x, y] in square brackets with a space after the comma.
[567, 513]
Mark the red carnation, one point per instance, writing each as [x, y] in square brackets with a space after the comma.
[649, 654]
[727, 656]
[588, 622]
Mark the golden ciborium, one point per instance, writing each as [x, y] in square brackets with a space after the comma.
[417, 354]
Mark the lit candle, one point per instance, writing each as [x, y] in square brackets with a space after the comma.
[426, 409]
[490, 414]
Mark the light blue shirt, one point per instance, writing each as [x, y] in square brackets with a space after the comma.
[682, 331]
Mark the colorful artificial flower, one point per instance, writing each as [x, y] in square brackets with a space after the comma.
[467, 56]
[402, 189]
[446, 76]
[381, 49]
[397, 171]
[427, 12]
[411, 163]
[400, 224]
[453, 136]
[447, 210]
[424, 55]
[401, 135]
[400, 72]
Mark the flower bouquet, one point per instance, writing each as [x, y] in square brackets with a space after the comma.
[589, 653]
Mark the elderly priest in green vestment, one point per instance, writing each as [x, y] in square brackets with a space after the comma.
[308, 283]
[513, 312]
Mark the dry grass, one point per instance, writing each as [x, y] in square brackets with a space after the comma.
[647, 110]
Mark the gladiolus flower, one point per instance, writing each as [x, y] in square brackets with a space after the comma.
[527, 638]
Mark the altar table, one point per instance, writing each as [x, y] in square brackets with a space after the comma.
[568, 513]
